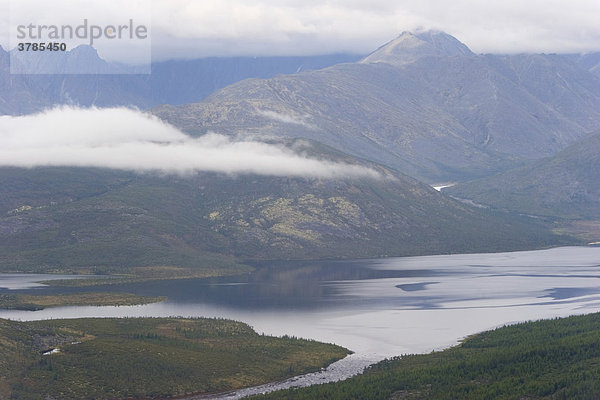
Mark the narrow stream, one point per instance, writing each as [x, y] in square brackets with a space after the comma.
[343, 369]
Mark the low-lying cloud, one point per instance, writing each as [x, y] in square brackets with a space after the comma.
[288, 118]
[120, 138]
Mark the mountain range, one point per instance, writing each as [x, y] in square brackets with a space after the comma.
[171, 82]
[69, 218]
[422, 108]
[423, 104]
[566, 185]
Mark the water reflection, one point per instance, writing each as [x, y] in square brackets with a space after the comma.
[30, 281]
[379, 307]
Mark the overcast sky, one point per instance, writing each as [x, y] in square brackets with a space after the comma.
[192, 28]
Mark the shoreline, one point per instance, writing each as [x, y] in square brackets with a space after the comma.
[524, 306]
[317, 378]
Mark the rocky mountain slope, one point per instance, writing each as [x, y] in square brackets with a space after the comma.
[590, 61]
[565, 185]
[171, 82]
[423, 104]
[61, 218]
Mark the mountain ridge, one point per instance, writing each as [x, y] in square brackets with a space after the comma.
[409, 47]
[171, 82]
[566, 185]
[65, 219]
[437, 118]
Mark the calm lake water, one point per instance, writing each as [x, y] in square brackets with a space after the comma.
[28, 281]
[377, 308]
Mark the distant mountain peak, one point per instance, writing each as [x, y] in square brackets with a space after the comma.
[409, 47]
[83, 59]
[86, 50]
[444, 42]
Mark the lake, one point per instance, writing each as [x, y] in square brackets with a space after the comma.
[378, 308]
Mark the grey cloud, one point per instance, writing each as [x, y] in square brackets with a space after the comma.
[288, 118]
[267, 27]
[127, 139]
[192, 29]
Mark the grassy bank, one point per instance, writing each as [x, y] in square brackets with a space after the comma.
[146, 358]
[553, 359]
[39, 302]
[110, 276]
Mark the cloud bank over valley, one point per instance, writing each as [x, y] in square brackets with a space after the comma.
[126, 139]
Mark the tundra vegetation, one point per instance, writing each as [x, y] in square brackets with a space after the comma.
[20, 301]
[146, 358]
[550, 359]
